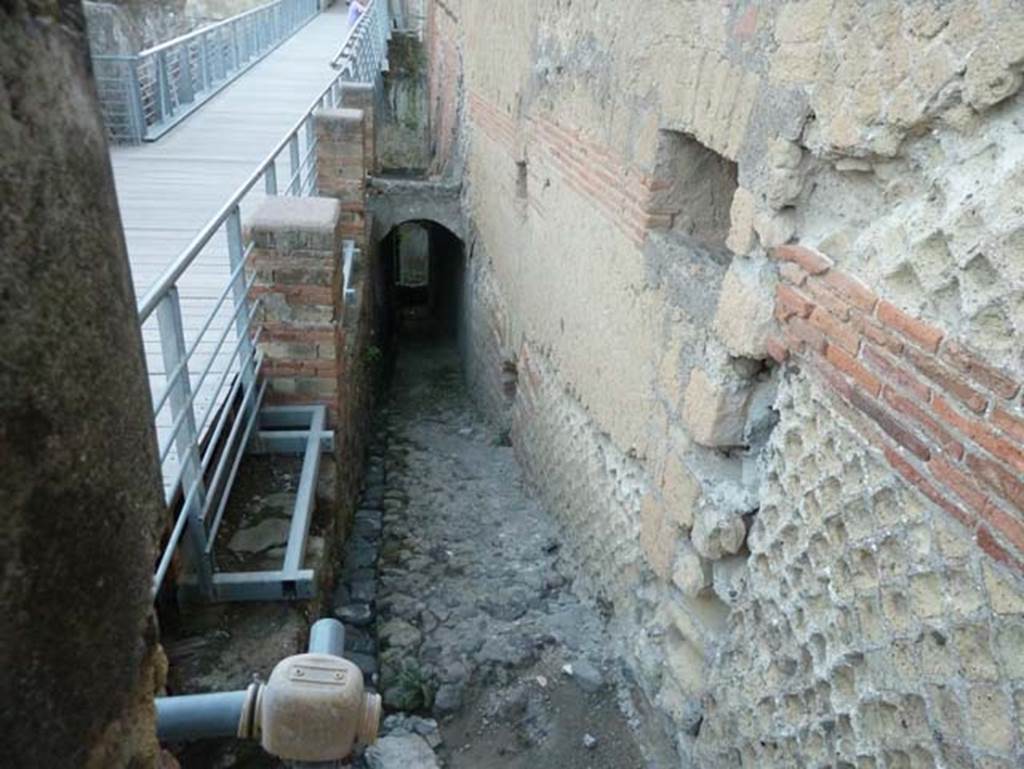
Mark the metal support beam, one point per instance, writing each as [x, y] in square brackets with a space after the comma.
[289, 442]
[302, 516]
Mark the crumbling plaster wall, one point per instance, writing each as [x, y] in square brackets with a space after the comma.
[655, 403]
[403, 145]
[445, 92]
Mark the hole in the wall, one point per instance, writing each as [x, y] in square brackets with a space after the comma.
[696, 188]
[521, 179]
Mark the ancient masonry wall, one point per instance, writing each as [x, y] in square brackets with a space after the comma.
[347, 151]
[746, 282]
[296, 280]
[444, 83]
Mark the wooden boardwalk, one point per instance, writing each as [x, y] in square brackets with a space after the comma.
[169, 189]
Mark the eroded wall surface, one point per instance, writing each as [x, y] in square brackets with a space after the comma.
[747, 282]
[80, 492]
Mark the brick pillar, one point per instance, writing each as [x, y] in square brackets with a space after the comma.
[341, 167]
[296, 260]
[363, 96]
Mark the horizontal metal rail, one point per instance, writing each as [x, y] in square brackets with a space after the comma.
[206, 409]
[146, 94]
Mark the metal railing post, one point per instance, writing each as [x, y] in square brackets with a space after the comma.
[296, 179]
[186, 441]
[162, 97]
[137, 111]
[204, 62]
[236, 255]
[311, 157]
[270, 178]
[186, 86]
[220, 55]
[234, 46]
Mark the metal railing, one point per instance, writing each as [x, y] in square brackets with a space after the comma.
[365, 48]
[211, 392]
[145, 94]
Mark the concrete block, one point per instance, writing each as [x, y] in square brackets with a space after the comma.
[340, 121]
[691, 573]
[743, 320]
[728, 577]
[741, 239]
[988, 79]
[715, 412]
[657, 536]
[680, 491]
[357, 96]
[718, 533]
[314, 217]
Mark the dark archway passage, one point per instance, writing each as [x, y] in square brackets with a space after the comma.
[421, 271]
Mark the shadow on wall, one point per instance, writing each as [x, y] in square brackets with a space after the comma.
[420, 285]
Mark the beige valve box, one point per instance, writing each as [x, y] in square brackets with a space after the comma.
[314, 708]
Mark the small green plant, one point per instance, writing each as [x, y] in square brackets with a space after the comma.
[373, 354]
[412, 689]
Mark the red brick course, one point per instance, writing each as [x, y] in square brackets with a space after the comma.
[947, 421]
[621, 193]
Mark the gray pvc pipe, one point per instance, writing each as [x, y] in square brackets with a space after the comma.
[327, 636]
[194, 716]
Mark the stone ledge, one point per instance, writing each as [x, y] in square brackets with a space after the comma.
[286, 214]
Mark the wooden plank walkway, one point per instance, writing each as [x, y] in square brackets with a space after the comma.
[169, 189]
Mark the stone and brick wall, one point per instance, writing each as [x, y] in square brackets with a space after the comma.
[403, 130]
[346, 154]
[295, 261]
[946, 420]
[872, 630]
[762, 426]
[445, 91]
[314, 336]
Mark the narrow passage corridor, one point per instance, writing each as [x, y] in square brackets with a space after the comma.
[469, 616]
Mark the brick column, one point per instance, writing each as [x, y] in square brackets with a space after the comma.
[343, 153]
[341, 167]
[363, 96]
[296, 260]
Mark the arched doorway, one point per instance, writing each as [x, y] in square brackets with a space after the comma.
[421, 274]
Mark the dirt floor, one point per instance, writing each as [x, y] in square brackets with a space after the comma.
[457, 598]
[475, 596]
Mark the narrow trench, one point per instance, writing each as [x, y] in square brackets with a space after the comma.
[456, 589]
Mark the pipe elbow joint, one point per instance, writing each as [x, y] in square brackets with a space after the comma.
[315, 708]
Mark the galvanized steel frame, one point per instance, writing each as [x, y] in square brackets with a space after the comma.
[208, 453]
[146, 94]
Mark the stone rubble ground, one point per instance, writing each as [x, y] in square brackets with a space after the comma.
[457, 599]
